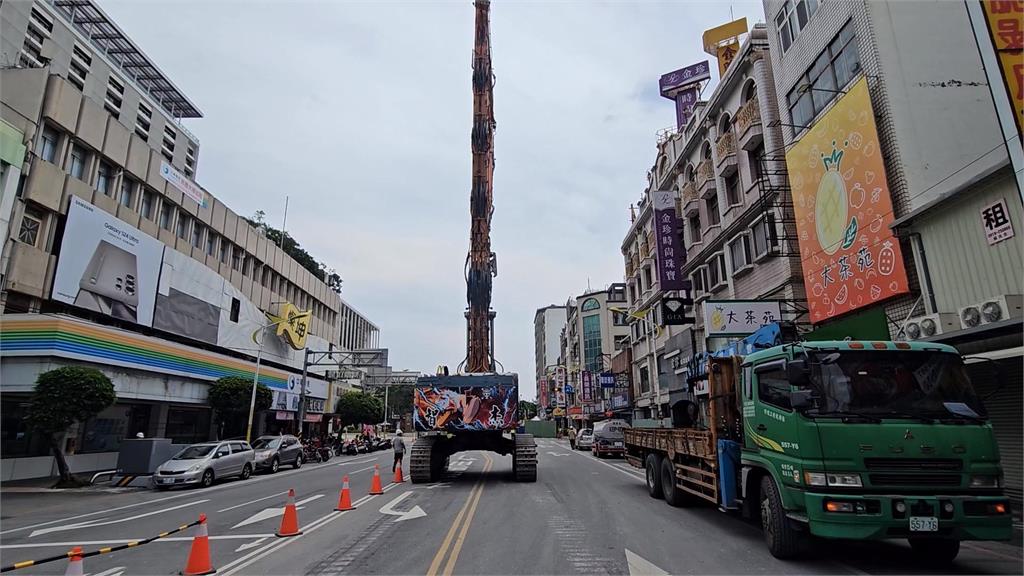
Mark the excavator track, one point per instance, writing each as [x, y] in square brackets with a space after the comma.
[524, 460]
[420, 469]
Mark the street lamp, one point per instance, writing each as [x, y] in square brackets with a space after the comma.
[256, 373]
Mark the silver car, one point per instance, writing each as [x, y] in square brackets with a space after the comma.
[585, 440]
[206, 462]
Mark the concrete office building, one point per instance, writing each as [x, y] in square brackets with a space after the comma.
[548, 323]
[732, 197]
[115, 257]
[596, 329]
[955, 204]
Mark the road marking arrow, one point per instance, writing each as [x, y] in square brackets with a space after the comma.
[252, 544]
[267, 513]
[640, 566]
[115, 571]
[557, 454]
[414, 512]
[105, 522]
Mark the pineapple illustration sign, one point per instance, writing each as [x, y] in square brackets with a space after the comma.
[843, 210]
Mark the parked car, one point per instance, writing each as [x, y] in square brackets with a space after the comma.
[608, 438]
[272, 452]
[585, 439]
[205, 463]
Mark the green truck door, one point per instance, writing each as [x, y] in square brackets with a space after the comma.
[774, 427]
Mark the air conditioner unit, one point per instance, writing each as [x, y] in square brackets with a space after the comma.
[995, 309]
[924, 327]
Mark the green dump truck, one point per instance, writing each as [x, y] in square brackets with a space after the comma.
[846, 439]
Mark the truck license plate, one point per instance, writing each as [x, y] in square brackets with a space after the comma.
[618, 444]
[924, 524]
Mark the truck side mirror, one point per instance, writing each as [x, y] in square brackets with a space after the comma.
[797, 372]
[801, 399]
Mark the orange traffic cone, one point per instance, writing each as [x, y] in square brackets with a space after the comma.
[344, 499]
[398, 475]
[75, 567]
[199, 555]
[375, 485]
[290, 520]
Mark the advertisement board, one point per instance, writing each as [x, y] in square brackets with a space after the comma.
[673, 81]
[739, 317]
[671, 256]
[183, 183]
[106, 265]
[1005, 24]
[475, 408]
[843, 209]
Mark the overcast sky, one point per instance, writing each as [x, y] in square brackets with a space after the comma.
[361, 113]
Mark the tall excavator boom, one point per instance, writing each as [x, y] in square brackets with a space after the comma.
[481, 264]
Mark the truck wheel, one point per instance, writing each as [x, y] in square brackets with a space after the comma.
[935, 552]
[674, 495]
[782, 539]
[653, 467]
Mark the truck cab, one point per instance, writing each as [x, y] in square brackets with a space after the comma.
[868, 440]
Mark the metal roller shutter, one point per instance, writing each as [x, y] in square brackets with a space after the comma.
[1005, 409]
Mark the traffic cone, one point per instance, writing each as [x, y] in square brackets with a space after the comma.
[344, 499]
[398, 475]
[375, 485]
[199, 555]
[290, 520]
[75, 567]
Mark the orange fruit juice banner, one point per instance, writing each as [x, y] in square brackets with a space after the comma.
[843, 210]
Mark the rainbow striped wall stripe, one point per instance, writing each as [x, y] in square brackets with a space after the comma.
[65, 337]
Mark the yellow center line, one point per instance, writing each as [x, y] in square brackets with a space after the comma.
[443, 550]
[465, 524]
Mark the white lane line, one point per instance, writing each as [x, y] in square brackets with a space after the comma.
[115, 571]
[126, 540]
[634, 475]
[279, 494]
[358, 461]
[249, 482]
[103, 522]
[361, 470]
[243, 562]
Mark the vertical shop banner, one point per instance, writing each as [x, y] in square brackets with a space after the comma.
[671, 257]
[843, 208]
[587, 392]
[1005, 19]
[685, 101]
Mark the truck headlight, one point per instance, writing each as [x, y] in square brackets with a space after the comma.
[843, 480]
[985, 481]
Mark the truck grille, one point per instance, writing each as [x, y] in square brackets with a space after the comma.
[951, 480]
[915, 464]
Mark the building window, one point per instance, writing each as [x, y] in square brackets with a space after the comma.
[647, 279]
[754, 161]
[246, 262]
[128, 187]
[81, 61]
[48, 144]
[619, 319]
[31, 225]
[236, 258]
[700, 280]
[197, 235]
[765, 238]
[236, 307]
[105, 179]
[40, 26]
[225, 249]
[115, 96]
[211, 243]
[166, 215]
[184, 223]
[190, 161]
[716, 272]
[590, 304]
[148, 200]
[167, 148]
[792, 18]
[592, 359]
[143, 118]
[732, 189]
[645, 380]
[79, 158]
[693, 223]
[739, 252]
[830, 73]
[714, 216]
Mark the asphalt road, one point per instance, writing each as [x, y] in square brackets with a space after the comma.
[583, 516]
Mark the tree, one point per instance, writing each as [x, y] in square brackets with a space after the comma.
[399, 399]
[229, 397]
[297, 252]
[359, 408]
[61, 398]
[527, 409]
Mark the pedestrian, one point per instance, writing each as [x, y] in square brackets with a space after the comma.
[399, 445]
[572, 437]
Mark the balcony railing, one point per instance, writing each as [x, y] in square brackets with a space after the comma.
[725, 147]
[705, 172]
[748, 115]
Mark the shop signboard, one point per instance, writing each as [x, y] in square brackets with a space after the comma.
[849, 255]
[183, 183]
[607, 380]
[739, 317]
[671, 256]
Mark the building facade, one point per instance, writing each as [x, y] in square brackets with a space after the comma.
[114, 256]
[955, 214]
[548, 323]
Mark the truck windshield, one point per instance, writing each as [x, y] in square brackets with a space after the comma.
[895, 383]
